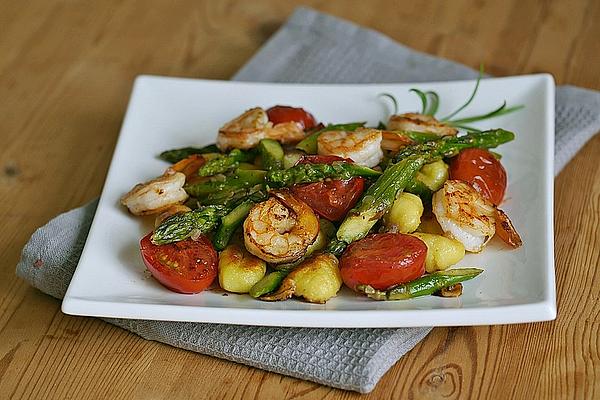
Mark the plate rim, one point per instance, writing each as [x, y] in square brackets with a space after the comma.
[544, 310]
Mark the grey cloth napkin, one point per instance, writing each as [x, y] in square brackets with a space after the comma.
[310, 47]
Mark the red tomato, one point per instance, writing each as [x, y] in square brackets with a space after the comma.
[383, 260]
[482, 170]
[279, 114]
[330, 199]
[189, 266]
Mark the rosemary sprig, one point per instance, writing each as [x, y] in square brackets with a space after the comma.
[435, 102]
[502, 110]
[469, 100]
[392, 98]
[427, 107]
[423, 98]
[430, 102]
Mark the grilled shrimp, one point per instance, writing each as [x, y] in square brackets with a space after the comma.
[394, 141]
[280, 229]
[156, 195]
[363, 145]
[506, 230]
[245, 131]
[420, 123]
[464, 214]
[286, 132]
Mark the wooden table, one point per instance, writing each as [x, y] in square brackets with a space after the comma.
[66, 70]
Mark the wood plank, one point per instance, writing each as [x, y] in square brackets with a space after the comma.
[66, 69]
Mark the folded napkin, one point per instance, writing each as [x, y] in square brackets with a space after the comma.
[310, 47]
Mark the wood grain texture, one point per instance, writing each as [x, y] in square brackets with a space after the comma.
[66, 70]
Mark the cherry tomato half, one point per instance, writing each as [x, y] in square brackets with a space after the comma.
[482, 170]
[189, 266]
[383, 260]
[280, 114]
[330, 199]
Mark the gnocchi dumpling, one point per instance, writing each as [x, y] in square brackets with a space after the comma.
[442, 252]
[405, 214]
[239, 270]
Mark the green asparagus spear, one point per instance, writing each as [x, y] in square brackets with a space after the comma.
[423, 286]
[418, 137]
[225, 163]
[182, 226]
[417, 187]
[269, 283]
[248, 166]
[309, 143]
[242, 179]
[429, 179]
[176, 155]
[228, 198]
[450, 146]
[231, 221]
[271, 154]
[336, 247]
[308, 173]
[232, 198]
[230, 190]
[379, 198]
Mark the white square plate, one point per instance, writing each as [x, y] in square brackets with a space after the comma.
[165, 113]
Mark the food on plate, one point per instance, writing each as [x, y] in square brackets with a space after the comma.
[442, 251]
[433, 175]
[483, 171]
[331, 198]
[169, 212]
[157, 195]
[239, 270]
[245, 131]
[423, 286]
[450, 291]
[188, 166]
[176, 155]
[280, 229]
[383, 260]
[268, 284]
[506, 230]
[188, 266]
[282, 114]
[283, 206]
[362, 145]
[309, 144]
[223, 163]
[316, 279]
[405, 214]
[415, 122]
[464, 214]
[182, 226]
